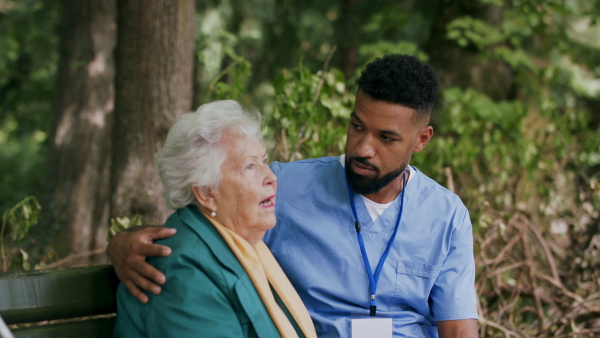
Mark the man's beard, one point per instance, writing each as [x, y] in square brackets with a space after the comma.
[368, 185]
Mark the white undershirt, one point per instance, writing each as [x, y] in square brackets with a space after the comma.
[376, 209]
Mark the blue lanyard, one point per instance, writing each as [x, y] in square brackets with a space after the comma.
[374, 279]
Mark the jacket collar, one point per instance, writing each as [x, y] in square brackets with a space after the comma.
[244, 289]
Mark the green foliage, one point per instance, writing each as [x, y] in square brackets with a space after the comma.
[527, 166]
[222, 70]
[237, 74]
[119, 224]
[497, 129]
[27, 63]
[467, 30]
[21, 159]
[311, 114]
[369, 51]
[18, 220]
[517, 168]
[493, 2]
[379, 48]
[27, 67]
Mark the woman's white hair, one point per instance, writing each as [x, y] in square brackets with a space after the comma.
[192, 154]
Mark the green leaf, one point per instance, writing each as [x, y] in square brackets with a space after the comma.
[119, 224]
[25, 259]
[279, 83]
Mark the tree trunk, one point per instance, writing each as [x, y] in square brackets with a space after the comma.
[348, 50]
[77, 198]
[154, 58]
[464, 66]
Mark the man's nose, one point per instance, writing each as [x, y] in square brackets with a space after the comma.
[365, 147]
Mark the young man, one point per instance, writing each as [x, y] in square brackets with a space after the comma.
[364, 238]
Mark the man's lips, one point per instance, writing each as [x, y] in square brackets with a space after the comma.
[268, 202]
[362, 169]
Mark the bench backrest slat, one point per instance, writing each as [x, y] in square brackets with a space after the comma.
[40, 295]
[95, 328]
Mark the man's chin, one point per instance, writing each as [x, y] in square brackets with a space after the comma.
[361, 184]
[364, 185]
[363, 178]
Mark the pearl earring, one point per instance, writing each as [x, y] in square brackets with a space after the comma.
[213, 214]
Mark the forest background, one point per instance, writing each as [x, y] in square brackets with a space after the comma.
[88, 90]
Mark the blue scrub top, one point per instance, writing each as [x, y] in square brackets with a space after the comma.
[428, 276]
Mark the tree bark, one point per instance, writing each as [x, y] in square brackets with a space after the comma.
[77, 195]
[154, 58]
[463, 66]
[348, 50]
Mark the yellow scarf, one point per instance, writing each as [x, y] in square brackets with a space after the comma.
[262, 268]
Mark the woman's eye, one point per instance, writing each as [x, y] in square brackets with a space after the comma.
[250, 166]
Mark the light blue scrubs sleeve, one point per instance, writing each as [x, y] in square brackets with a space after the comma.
[453, 294]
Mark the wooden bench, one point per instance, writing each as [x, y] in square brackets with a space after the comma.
[74, 296]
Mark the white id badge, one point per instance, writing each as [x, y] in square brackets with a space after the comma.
[373, 327]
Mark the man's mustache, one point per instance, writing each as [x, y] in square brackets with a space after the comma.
[364, 161]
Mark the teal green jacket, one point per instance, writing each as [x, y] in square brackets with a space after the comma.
[207, 294]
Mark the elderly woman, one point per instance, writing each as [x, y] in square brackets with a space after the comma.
[222, 280]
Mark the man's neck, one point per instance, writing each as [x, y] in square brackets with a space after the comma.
[389, 193]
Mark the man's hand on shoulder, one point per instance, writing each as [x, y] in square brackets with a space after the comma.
[128, 251]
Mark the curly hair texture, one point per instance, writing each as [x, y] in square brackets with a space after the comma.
[401, 79]
[192, 154]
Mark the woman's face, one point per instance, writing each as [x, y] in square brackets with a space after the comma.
[245, 197]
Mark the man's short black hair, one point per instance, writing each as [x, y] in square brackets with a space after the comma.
[401, 79]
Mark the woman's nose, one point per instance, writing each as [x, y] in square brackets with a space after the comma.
[270, 177]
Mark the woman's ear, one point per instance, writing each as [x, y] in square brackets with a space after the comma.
[205, 197]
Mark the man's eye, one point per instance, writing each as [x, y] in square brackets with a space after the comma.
[355, 126]
[387, 138]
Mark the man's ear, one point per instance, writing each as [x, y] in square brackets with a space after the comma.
[424, 137]
[205, 197]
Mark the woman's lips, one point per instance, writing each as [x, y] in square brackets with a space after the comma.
[268, 202]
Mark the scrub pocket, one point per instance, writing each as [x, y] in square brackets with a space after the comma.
[413, 284]
[418, 269]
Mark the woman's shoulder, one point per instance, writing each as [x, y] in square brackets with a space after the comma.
[192, 229]
[197, 243]
[185, 234]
